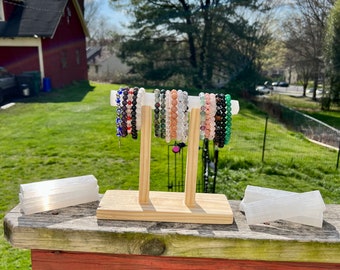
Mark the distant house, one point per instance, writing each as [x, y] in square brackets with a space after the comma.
[46, 36]
[104, 65]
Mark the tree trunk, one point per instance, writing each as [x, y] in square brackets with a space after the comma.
[304, 89]
[191, 42]
[315, 87]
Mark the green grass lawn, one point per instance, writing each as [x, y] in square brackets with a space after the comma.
[71, 132]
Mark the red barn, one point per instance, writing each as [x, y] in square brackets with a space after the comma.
[46, 36]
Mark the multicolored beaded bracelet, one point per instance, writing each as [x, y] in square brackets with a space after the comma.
[186, 117]
[202, 115]
[119, 113]
[129, 111]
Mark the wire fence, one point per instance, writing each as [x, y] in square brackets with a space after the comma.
[307, 125]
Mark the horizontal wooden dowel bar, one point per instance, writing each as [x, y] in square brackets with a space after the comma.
[193, 101]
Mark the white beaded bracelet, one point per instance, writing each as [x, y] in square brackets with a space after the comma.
[167, 116]
[212, 119]
[140, 103]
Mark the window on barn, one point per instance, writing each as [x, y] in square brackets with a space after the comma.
[63, 59]
[78, 57]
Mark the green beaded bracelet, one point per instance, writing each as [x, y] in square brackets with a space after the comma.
[228, 119]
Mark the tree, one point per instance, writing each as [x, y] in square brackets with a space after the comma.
[199, 41]
[99, 27]
[305, 35]
[301, 50]
[332, 42]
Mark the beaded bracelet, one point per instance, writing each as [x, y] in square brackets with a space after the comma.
[119, 113]
[186, 117]
[228, 119]
[129, 111]
[202, 115]
[212, 118]
[208, 115]
[134, 133]
[157, 126]
[182, 125]
[124, 111]
[180, 116]
[220, 121]
[140, 102]
[162, 113]
[173, 114]
[167, 116]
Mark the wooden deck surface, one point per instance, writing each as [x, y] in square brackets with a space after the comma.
[76, 229]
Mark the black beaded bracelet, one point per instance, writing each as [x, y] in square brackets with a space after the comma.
[134, 133]
[157, 125]
[220, 120]
[124, 113]
[162, 114]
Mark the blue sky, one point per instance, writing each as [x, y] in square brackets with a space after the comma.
[114, 17]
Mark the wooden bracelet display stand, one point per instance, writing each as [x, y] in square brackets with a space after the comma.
[146, 205]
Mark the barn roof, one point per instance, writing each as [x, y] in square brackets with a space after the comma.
[37, 18]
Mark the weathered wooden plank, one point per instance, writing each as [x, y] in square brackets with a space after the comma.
[76, 228]
[42, 260]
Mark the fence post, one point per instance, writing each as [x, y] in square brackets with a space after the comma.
[337, 162]
[264, 138]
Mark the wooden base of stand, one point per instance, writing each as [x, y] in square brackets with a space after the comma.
[165, 207]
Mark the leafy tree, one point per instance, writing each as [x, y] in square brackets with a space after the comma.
[199, 41]
[333, 52]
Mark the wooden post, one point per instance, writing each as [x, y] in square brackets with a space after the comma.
[192, 158]
[145, 155]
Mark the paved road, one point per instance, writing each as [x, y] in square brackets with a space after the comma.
[293, 90]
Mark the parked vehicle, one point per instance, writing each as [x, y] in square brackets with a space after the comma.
[268, 85]
[8, 84]
[262, 90]
[283, 84]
